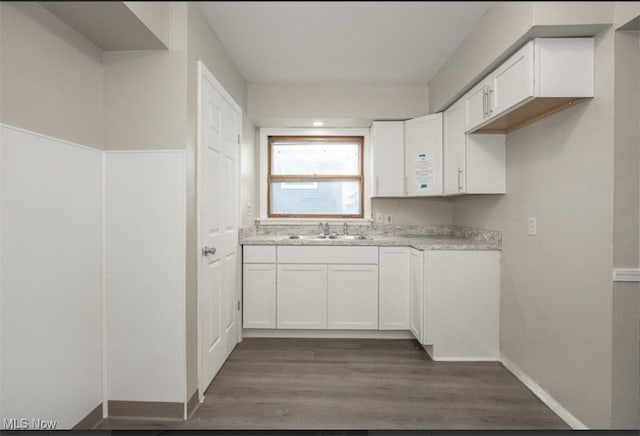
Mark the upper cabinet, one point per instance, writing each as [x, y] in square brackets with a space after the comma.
[423, 155]
[543, 77]
[473, 163]
[387, 142]
[407, 157]
[462, 151]
[476, 104]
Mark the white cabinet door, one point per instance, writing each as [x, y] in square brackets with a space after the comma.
[423, 155]
[417, 293]
[476, 104]
[387, 145]
[301, 296]
[394, 289]
[259, 296]
[455, 169]
[462, 294]
[512, 82]
[352, 297]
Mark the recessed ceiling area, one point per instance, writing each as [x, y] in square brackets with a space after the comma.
[341, 42]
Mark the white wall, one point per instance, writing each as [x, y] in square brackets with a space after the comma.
[50, 278]
[51, 76]
[145, 93]
[145, 270]
[415, 211]
[268, 104]
[155, 16]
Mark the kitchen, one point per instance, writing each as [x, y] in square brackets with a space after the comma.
[131, 105]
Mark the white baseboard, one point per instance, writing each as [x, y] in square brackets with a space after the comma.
[429, 350]
[327, 334]
[544, 396]
[626, 274]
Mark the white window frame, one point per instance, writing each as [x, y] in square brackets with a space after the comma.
[264, 161]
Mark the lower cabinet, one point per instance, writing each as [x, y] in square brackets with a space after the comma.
[416, 286]
[462, 301]
[259, 295]
[455, 312]
[259, 286]
[352, 297]
[448, 299]
[302, 296]
[393, 288]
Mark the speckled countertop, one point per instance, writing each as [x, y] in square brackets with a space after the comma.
[432, 238]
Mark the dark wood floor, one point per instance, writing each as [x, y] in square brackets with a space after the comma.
[357, 384]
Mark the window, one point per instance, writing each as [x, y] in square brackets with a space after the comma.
[315, 177]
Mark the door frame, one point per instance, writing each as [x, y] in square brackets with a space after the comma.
[204, 73]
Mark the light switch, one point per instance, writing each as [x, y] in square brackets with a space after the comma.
[532, 227]
[379, 218]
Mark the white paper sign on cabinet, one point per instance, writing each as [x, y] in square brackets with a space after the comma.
[423, 170]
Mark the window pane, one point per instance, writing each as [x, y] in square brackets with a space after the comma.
[329, 197]
[324, 159]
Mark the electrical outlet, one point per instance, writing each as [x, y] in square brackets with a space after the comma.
[387, 219]
[532, 227]
[248, 209]
[379, 218]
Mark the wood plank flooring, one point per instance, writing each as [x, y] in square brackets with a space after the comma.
[330, 384]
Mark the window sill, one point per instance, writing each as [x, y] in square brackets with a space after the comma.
[311, 221]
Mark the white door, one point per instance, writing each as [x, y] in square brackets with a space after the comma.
[219, 121]
[423, 155]
[352, 297]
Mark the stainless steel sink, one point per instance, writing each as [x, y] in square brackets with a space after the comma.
[353, 237]
[330, 237]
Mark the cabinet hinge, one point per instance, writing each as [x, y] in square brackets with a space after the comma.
[238, 305]
[238, 139]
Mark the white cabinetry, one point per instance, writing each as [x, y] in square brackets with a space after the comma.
[259, 287]
[324, 287]
[473, 163]
[387, 145]
[476, 104]
[455, 298]
[352, 297]
[455, 144]
[393, 287]
[302, 296]
[423, 155]
[511, 82]
[416, 283]
[544, 76]
[407, 157]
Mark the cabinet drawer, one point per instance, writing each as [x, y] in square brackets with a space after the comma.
[329, 255]
[259, 254]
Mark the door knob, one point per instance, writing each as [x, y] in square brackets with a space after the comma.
[208, 250]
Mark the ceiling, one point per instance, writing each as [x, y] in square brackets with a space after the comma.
[341, 42]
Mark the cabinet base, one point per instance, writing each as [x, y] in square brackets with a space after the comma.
[328, 334]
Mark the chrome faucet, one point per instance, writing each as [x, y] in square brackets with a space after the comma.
[325, 228]
[346, 228]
